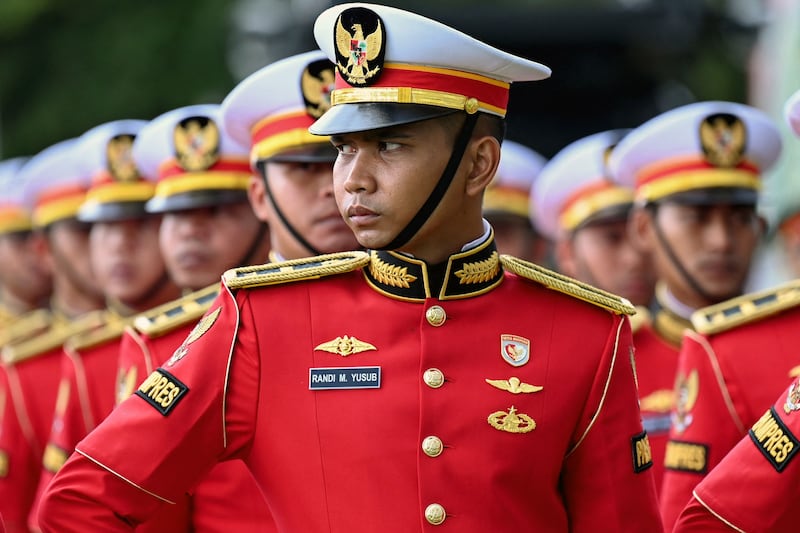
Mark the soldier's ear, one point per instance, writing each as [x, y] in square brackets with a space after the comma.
[484, 157]
[640, 228]
[257, 194]
[565, 257]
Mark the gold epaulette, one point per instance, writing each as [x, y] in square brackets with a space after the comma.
[55, 336]
[25, 326]
[567, 285]
[169, 316]
[295, 270]
[746, 308]
[641, 318]
[112, 328]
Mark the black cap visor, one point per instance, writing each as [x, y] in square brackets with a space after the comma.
[351, 118]
[195, 200]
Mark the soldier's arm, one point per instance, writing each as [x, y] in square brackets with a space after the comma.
[607, 481]
[704, 427]
[756, 487]
[157, 444]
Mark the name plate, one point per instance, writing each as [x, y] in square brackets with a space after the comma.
[353, 377]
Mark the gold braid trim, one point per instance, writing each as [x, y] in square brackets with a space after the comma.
[392, 275]
[567, 285]
[111, 330]
[295, 270]
[480, 271]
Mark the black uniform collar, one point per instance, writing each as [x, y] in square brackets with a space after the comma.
[463, 275]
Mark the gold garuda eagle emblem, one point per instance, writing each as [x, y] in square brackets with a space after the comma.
[196, 143]
[359, 57]
[723, 138]
[316, 84]
[119, 158]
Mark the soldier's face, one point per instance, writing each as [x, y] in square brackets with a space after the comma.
[714, 243]
[125, 257]
[382, 178]
[304, 194]
[23, 274]
[69, 250]
[198, 245]
[603, 254]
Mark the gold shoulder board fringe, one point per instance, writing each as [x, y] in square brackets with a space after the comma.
[295, 270]
[567, 285]
[746, 308]
[169, 316]
[55, 336]
[25, 326]
[112, 329]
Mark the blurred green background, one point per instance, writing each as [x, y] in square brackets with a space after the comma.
[66, 66]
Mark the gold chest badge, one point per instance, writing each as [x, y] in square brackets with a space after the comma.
[511, 421]
[345, 346]
[687, 388]
[792, 398]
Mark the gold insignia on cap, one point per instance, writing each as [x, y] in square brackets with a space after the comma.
[392, 275]
[513, 385]
[687, 388]
[360, 46]
[316, 84]
[511, 421]
[792, 399]
[480, 271]
[119, 158]
[198, 331]
[723, 138]
[345, 346]
[196, 143]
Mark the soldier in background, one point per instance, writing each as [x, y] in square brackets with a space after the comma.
[696, 171]
[506, 204]
[29, 375]
[24, 281]
[126, 261]
[576, 204]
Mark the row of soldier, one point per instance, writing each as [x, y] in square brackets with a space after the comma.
[132, 214]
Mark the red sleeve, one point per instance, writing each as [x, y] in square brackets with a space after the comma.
[696, 518]
[168, 435]
[607, 477]
[704, 427]
[133, 364]
[18, 456]
[756, 487]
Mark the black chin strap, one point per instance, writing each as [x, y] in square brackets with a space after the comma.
[247, 258]
[693, 283]
[296, 234]
[439, 191]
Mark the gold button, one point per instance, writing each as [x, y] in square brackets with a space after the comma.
[435, 315]
[432, 446]
[434, 514]
[433, 378]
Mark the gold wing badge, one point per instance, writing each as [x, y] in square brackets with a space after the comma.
[687, 388]
[196, 142]
[345, 346]
[723, 138]
[513, 385]
[359, 55]
[316, 84]
[198, 331]
[119, 158]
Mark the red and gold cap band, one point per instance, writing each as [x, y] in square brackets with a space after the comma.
[598, 196]
[58, 204]
[14, 218]
[223, 175]
[417, 84]
[506, 200]
[275, 134]
[113, 192]
[690, 173]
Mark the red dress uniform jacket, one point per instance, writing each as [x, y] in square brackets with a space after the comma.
[728, 373]
[228, 498]
[362, 402]
[30, 376]
[756, 487]
[656, 360]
